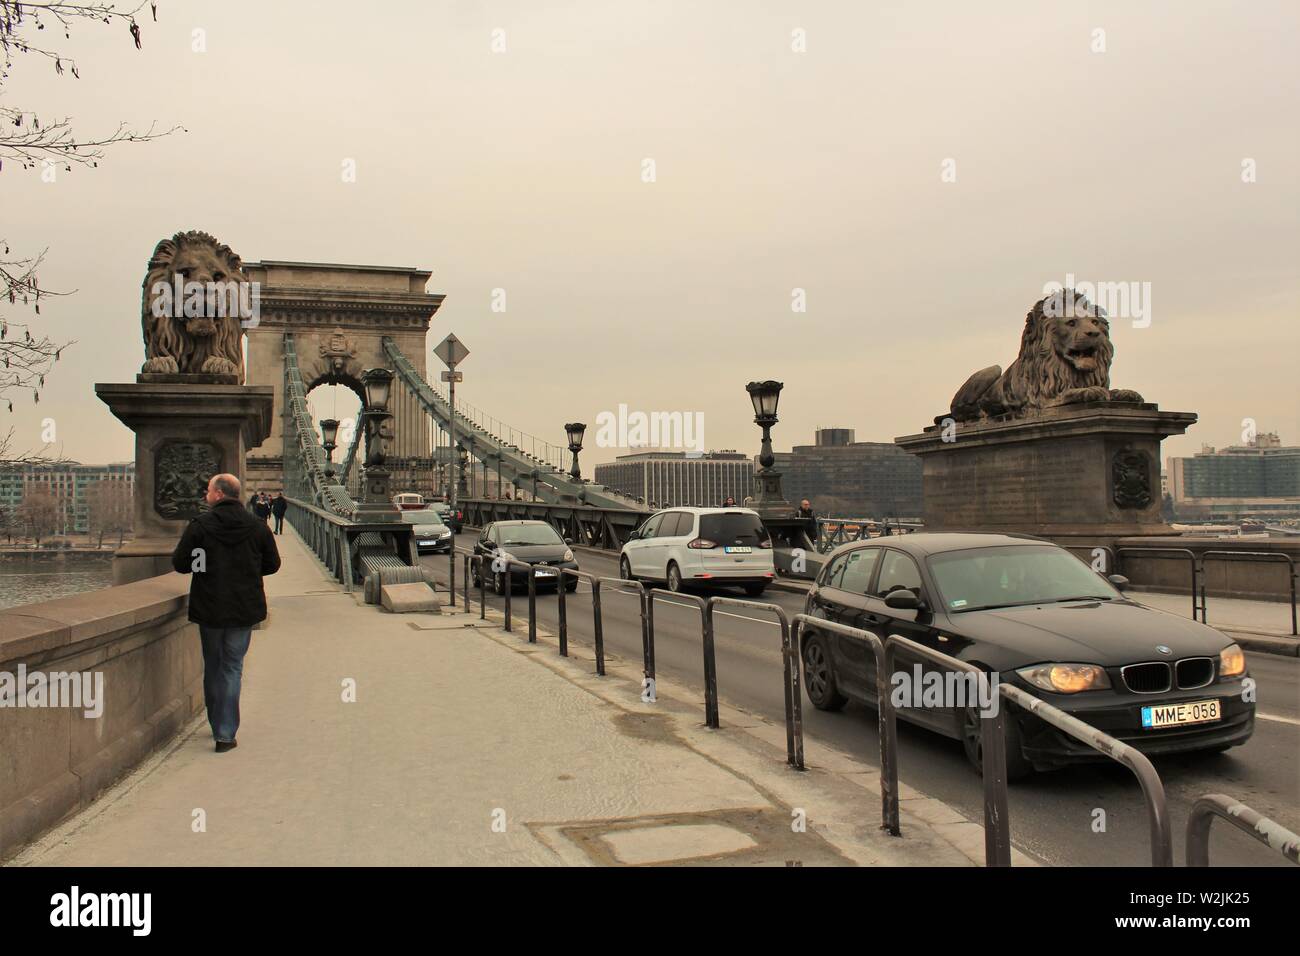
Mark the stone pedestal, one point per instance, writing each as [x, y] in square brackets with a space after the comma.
[1078, 474]
[187, 428]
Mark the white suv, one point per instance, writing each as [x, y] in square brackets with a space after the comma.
[683, 546]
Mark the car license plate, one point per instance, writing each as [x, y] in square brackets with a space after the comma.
[428, 542]
[1174, 715]
[545, 574]
[738, 550]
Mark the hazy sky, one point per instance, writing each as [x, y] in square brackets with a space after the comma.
[775, 170]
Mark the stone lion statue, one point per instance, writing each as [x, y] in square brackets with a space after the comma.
[192, 338]
[1065, 355]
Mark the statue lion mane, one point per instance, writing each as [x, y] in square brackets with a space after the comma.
[1065, 356]
[198, 345]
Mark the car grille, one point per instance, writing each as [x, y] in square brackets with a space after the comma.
[1150, 678]
[1156, 677]
[1195, 672]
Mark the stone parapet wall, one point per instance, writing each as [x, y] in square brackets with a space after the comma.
[55, 760]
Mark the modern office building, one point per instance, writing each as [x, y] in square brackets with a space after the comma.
[67, 482]
[849, 478]
[1259, 479]
[668, 479]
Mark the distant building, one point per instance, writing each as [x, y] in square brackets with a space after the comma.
[668, 479]
[850, 478]
[66, 482]
[1260, 479]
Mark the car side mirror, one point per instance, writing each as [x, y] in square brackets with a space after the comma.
[904, 599]
[634, 535]
[489, 545]
[1120, 582]
[568, 541]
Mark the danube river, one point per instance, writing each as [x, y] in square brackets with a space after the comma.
[29, 578]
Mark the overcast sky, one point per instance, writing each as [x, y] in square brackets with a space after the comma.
[775, 170]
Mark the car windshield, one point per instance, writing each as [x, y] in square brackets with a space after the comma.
[732, 527]
[519, 534]
[984, 578]
[426, 517]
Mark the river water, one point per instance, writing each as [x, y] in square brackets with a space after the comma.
[27, 579]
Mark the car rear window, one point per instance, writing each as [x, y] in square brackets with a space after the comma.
[732, 528]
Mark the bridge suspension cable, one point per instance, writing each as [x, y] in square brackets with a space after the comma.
[304, 458]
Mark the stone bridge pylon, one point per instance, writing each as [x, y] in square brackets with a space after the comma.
[339, 315]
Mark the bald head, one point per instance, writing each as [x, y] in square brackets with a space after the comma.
[222, 486]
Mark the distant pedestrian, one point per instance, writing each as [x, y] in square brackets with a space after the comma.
[809, 519]
[228, 553]
[730, 502]
[263, 508]
[279, 505]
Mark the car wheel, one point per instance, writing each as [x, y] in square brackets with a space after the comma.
[571, 585]
[625, 569]
[674, 578]
[499, 583]
[755, 590]
[819, 675]
[1017, 766]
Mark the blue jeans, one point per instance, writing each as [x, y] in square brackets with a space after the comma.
[223, 667]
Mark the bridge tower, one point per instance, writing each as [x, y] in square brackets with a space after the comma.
[339, 315]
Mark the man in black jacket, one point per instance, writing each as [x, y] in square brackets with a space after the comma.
[228, 551]
[279, 505]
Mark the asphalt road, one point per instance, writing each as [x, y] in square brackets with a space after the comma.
[1052, 814]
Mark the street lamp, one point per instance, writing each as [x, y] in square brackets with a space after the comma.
[765, 397]
[377, 383]
[329, 431]
[575, 431]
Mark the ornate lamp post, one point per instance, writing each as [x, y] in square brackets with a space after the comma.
[575, 431]
[770, 500]
[376, 501]
[329, 432]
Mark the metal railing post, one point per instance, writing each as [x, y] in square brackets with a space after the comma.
[532, 604]
[790, 682]
[597, 627]
[710, 659]
[563, 611]
[1248, 821]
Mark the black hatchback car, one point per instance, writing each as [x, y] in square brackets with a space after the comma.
[1042, 620]
[525, 542]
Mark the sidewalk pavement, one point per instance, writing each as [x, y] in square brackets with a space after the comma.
[465, 745]
[1263, 626]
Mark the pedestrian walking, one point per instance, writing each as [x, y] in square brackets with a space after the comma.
[227, 552]
[279, 505]
[263, 508]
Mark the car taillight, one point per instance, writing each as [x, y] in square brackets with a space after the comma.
[701, 544]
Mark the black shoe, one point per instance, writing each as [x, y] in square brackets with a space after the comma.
[224, 745]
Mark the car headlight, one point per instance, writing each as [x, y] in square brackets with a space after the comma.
[1066, 678]
[568, 555]
[1232, 661]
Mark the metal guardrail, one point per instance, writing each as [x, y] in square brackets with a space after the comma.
[710, 656]
[1223, 555]
[997, 830]
[790, 664]
[598, 632]
[1205, 809]
[1197, 561]
[1153, 791]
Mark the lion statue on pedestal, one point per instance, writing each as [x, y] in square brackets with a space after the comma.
[187, 333]
[1065, 355]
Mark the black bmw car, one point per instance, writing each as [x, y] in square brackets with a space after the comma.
[1042, 620]
[525, 542]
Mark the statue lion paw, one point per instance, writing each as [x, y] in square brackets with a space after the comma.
[219, 366]
[1125, 395]
[1089, 393]
[164, 365]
